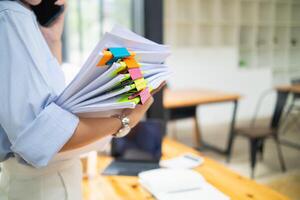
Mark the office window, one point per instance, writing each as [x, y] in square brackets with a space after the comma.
[86, 22]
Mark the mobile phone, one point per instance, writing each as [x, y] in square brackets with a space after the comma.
[46, 12]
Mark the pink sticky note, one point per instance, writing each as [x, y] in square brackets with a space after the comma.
[135, 73]
[144, 95]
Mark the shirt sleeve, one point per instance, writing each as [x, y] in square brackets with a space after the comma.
[35, 125]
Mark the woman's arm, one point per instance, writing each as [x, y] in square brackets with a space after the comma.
[91, 129]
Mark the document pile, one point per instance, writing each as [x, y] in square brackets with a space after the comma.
[179, 184]
[120, 73]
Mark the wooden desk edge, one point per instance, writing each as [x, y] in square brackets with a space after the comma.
[288, 88]
[208, 101]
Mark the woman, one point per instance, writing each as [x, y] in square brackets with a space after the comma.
[32, 127]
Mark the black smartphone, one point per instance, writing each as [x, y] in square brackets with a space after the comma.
[46, 12]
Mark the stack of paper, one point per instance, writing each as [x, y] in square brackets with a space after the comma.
[179, 184]
[120, 73]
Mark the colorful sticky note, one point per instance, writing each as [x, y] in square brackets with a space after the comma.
[135, 73]
[122, 67]
[131, 62]
[144, 95]
[140, 84]
[107, 56]
[119, 52]
[132, 53]
[125, 98]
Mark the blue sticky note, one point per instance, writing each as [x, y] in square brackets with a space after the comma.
[111, 61]
[119, 52]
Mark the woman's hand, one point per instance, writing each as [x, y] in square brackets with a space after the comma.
[135, 115]
[92, 129]
[53, 33]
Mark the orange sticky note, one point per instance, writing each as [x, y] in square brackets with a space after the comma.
[107, 56]
[131, 62]
[132, 54]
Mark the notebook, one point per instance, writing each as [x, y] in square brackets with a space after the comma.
[179, 184]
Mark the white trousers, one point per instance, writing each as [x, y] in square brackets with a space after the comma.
[57, 181]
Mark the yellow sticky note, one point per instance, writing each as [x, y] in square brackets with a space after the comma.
[140, 84]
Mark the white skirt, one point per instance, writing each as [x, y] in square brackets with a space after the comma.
[58, 181]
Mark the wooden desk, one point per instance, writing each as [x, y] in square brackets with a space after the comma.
[128, 188]
[192, 97]
[282, 95]
[182, 104]
[289, 88]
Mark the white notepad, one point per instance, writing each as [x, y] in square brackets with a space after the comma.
[179, 184]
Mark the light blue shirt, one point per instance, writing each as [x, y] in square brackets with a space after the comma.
[32, 126]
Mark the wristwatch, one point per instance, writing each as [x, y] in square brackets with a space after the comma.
[125, 129]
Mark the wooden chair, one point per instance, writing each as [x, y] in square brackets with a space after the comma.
[256, 136]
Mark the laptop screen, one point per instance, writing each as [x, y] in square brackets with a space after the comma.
[143, 143]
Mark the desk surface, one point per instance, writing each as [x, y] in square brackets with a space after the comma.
[193, 97]
[289, 88]
[128, 188]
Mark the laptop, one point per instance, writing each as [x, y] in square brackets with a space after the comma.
[139, 151]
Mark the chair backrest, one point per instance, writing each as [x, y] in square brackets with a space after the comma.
[258, 107]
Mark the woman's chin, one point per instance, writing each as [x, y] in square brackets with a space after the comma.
[33, 2]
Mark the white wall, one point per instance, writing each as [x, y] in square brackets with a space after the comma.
[217, 68]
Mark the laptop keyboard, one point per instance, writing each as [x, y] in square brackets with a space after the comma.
[129, 168]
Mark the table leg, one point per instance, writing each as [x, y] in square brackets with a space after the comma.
[197, 132]
[226, 151]
[174, 130]
[231, 133]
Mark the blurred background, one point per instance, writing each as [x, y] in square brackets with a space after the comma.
[250, 48]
